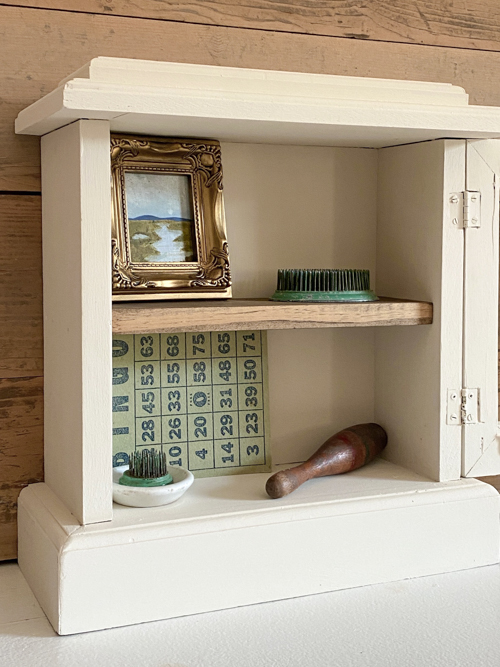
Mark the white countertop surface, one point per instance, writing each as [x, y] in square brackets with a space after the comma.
[447, 620]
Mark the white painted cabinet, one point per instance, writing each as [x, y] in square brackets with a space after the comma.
[318, 171]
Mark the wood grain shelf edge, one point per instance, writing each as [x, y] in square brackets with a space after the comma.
[241, 314]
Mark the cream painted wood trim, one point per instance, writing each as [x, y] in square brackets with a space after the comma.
[254, 118]
[381, 523]
[231, 80]
[77, 317]
[259, 106]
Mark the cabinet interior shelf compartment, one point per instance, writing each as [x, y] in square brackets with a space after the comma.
[263, 314]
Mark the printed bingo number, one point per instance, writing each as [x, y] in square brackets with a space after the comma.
[198, 396]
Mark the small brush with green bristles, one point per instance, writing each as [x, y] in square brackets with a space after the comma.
[324, 285]
[146, 468]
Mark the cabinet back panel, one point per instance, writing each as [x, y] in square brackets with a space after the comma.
[320, 381]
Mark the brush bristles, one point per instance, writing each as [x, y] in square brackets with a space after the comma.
[147, 464]
[323, 280]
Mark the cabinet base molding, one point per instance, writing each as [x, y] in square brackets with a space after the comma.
[226, 545]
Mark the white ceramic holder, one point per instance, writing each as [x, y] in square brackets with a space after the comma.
[153, 496]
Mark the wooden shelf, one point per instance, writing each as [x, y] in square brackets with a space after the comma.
[234, 314]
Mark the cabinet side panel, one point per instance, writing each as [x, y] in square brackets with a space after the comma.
[420, 256]
[481, 445]
[77, 317]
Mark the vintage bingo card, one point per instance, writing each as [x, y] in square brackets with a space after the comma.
[200, 397]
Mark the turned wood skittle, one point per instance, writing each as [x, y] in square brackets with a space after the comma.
[345, 451]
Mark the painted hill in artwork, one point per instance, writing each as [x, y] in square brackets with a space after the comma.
[155, 217]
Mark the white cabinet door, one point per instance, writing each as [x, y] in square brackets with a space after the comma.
[481, 442]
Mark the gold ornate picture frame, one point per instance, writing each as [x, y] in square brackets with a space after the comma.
[168, 223]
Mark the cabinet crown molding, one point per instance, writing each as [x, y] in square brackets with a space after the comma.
[258, 106]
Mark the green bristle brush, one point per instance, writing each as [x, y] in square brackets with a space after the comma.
[146, 468]
[324, 285]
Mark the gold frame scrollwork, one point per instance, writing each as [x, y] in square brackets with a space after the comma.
[209, 276]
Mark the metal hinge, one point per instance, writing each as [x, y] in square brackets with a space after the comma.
[466, 209]
[462, 406]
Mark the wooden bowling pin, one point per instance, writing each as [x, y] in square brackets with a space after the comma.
[345, 451]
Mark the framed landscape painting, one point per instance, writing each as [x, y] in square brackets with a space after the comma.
[168, 225]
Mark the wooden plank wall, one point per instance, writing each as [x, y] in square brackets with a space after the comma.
[45, 40]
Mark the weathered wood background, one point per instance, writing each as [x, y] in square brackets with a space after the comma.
[45, 40]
